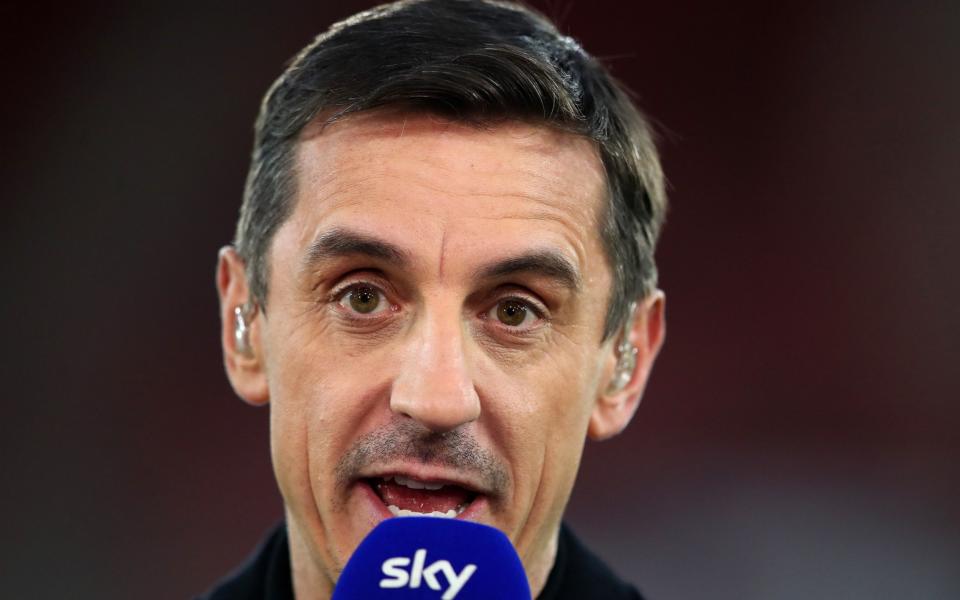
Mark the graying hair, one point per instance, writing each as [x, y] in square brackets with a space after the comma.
[477, 61]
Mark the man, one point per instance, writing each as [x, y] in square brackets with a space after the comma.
[442, 283]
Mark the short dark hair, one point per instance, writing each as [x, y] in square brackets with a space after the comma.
[476, 61]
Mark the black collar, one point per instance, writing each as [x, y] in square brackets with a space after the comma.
[577, 573]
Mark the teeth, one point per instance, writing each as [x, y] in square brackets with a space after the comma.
[413, 484]
[402, 512]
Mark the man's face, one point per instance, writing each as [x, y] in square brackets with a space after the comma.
[434, 318]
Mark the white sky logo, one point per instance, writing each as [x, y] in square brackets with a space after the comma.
[397, 576]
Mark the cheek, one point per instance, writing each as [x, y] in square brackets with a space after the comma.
[324, 393]
[300, 413]
[541, 408]
[288, 453]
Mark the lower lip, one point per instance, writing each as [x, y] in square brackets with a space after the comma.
[472, 512]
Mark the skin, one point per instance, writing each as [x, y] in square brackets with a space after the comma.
[433, 364]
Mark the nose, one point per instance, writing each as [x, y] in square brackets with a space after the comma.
[434, 385]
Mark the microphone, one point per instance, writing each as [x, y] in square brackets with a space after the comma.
[433, 558]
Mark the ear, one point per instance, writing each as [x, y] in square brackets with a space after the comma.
[645, 332]
[245, 367]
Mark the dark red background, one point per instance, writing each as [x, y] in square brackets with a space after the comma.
[799, 437]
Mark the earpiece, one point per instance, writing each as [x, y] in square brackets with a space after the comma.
[241, 333]
[626, 355]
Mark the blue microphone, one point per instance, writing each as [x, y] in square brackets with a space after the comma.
[433, 558]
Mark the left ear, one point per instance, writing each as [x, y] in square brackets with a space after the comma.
[616, 404]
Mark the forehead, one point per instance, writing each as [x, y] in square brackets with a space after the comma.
[448, 189]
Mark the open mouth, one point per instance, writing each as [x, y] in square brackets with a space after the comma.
[408, 497]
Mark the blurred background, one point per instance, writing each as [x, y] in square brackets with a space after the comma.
[799, 437]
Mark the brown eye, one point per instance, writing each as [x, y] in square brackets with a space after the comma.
[363, 299]
[512, 313]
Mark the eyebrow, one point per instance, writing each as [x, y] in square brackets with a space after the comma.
[339, 243]
[546, 263]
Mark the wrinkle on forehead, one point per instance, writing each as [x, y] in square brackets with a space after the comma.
[370, 130]
[513, 170]
[343, 179]
[344, 186]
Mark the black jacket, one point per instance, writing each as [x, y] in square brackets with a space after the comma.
[576, 574]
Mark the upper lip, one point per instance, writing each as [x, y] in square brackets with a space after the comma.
[428, 474]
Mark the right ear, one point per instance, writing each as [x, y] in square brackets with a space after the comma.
[245, 366]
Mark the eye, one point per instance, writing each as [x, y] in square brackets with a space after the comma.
[514, 313]
[364, 299]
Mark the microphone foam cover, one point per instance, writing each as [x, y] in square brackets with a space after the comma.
[433, 558]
